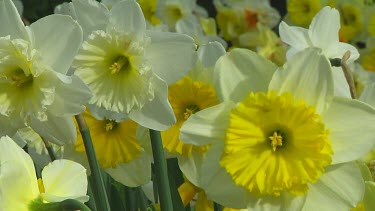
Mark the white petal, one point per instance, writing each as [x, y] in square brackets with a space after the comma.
[191, 166]
[58, 130]
[285, 202]
[338, 51]
[218, 184]
[171, 55]
[341, 87]
[70, 97]
[10, 21]
[5, 126]
[58, 38]
[351, 129]
[157, 114]
[127, 16]
[296, 37]
[307, 75]
[64, 179]
[208, 54]
[341, 187]
[368, 94]
[241, 71]
[18, 183]
[91, 15]
[207, 126]
[134, 173]
[324, 28]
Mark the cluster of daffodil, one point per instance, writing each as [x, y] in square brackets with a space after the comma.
[154, 105]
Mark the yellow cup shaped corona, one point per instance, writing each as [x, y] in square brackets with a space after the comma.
[61, 179]
[281, 142]
[122, 148]
[127, 67]
[35, 89]
[194, 92]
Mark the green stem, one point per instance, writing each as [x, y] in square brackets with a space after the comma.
[161, 171]
[50, 150]
[98, 185]
[141, 199]
[91, 203]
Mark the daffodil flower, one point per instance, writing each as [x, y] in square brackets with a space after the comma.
[34, 88]
[61, 179]
[191, 94]
[323, 33]
[282, 141]
[127, 67]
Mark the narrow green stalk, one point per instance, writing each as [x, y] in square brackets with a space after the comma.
[161, 171]
[98, 185]
[50, 150]
[91, 203]
[141, 199]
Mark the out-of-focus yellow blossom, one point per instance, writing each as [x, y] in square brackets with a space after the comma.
[149, 11]
[266, 43]
[368, 60]
[61, 179]
[208, 26]
[235, 18]
[301, 12]
[371, 25]
[351, 20]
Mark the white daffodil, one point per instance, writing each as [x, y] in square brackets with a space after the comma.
[61, 179]
[283, 141]
[34, 88]
[323, 33]
[127, 67]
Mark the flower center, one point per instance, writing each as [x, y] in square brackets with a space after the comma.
[190, 109]
[20, 79]
[120, 64]
[275, 144]
[276, 140]
[109, 125]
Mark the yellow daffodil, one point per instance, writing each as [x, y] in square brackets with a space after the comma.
[191, 94]
[284, 142]
[351, 20]
[128, 67]
[120, 152]
[35, 89]
[301, 12]
[61, 179]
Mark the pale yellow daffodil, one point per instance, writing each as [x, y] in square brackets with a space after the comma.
[19, 186]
